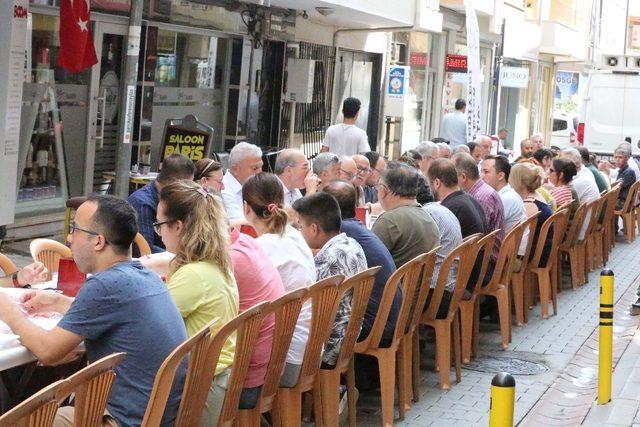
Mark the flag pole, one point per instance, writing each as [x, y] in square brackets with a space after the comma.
[128, 101]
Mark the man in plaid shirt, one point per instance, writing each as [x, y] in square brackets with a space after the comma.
[319, 220]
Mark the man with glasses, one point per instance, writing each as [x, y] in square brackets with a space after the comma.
[348, 169]
[293, 170]
[363, 170]
[145, 200]
[327, 168]
[121, 307]
[378, 164]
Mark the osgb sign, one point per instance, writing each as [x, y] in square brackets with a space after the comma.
[514, 77]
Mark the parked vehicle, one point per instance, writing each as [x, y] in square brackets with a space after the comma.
[564, 130]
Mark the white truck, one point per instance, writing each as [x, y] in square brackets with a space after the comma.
[610, 112]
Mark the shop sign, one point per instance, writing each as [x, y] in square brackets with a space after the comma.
[395, 96]
[418, 60]
[192, 143]
[516, 77]
[455, 63]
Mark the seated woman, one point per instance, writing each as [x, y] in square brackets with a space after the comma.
[264, 209]
[209, 174]
[200, 278]
[526, 178]
[561, 174]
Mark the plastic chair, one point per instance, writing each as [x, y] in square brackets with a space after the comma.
[407, 277]
[72, 204]
[570, 246]
[143, 246]
[7, 266]
[37, 411]
[498, 288]
[520, 278]
[49, 252]
[556, 224]
[468, 306]
[447, 328]
[628, 213]
[590, 245]
[286, 310]
[328, 380]
[91, 386]
[287, 410]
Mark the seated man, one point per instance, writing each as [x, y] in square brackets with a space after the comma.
[378, 164]
[625, 175]
[404, 228]
[348, 169]
[319, 220]
[145, 200]
[376, 253]
[327, 167]
[293, 170]
[122, 306]
[495, 172]
[362, 173]
[245, 160]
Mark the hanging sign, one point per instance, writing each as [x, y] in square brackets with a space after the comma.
[473, 72]
[516, 77]
[192, 143]
[455, 63]
[395, 96]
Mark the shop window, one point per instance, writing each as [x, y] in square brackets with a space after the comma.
[563, 11]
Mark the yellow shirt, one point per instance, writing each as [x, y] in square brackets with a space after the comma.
[201, 292]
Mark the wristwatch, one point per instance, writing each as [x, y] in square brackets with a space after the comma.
[14, 278]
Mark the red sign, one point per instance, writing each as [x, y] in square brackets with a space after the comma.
[418, 60]
[455, 63]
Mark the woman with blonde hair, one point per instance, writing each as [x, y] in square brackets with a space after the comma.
[264, 209]
[526, 178]
[193, 225]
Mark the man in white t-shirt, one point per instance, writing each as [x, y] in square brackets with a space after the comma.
[346, 139]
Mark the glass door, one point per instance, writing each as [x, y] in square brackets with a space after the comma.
[105, 92]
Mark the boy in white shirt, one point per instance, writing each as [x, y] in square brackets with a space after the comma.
[346, 139]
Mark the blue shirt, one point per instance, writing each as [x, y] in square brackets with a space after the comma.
[145, 202]
[454, 128]
[376, 254]
[127, 308]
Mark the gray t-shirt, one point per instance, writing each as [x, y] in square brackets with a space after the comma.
[127, 308]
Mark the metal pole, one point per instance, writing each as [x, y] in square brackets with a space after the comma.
[605, 337]
[128, 101]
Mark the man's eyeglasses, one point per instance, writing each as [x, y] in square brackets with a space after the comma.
[157, 226]
[351, 175]
[73, 227]
[363, 171]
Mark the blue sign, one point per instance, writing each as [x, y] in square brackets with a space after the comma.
[396, 80]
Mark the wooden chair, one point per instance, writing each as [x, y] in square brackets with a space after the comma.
[571, 247]
[49, 252]
[544, 273]
[407, 278]
[72, 204]
[328, 380]
[447, 328]
[468, 306]
[91, 386]
[498, 287]
[7, 266]
[628, 213]
[286, 310]
[287, 410]
[141, 243]
[591, 252]
[37, 411]
[520, 279]
[607, 230]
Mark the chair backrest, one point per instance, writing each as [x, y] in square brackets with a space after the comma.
[464, 256]
[48, 252]
[324, 305]
[629, 202]
[141, 243]
[485, 250]
[610, 204]
[286, 310]
[195, 348]
[7, 266]
[360, 286]
[37, 411]
[247, 329]
[573, 233]
[596, 211]
[422, 290]
[529, 225]
[91, 386]
[506, 257]
[556, 224]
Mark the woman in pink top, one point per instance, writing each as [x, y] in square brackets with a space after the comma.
[258, 281]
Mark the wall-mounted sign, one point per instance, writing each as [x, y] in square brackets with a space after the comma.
[192, 143]
[455, 63]
[516, 77]
[396, 90]
[418, 60]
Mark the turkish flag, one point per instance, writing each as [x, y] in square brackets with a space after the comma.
[76, 44]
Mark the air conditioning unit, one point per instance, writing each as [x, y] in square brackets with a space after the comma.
[612, 62]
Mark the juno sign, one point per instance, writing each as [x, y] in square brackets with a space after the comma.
[516, 77]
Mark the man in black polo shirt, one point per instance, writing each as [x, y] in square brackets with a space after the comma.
[443, 180]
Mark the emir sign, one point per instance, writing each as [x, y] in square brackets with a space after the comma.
[514, 77]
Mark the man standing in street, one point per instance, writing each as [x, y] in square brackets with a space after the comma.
[347, 139]
[454, 125]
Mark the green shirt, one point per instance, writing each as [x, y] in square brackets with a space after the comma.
[407, 231]
[600, 181]
[201, 293]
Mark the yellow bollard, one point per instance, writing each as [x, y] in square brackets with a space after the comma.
[503, 393]
[605, 339]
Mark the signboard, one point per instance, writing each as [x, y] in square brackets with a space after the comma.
[395, 96]
[13, 33]
[474, 96]
[455, 63]
[418, 60]
[192, 143]
[517, 77]
[566, 96]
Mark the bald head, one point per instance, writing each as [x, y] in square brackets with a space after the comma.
[485, 144]
[348, 169]
[345, 194]
[362, 163]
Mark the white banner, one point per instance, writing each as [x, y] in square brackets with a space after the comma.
[474, 95]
